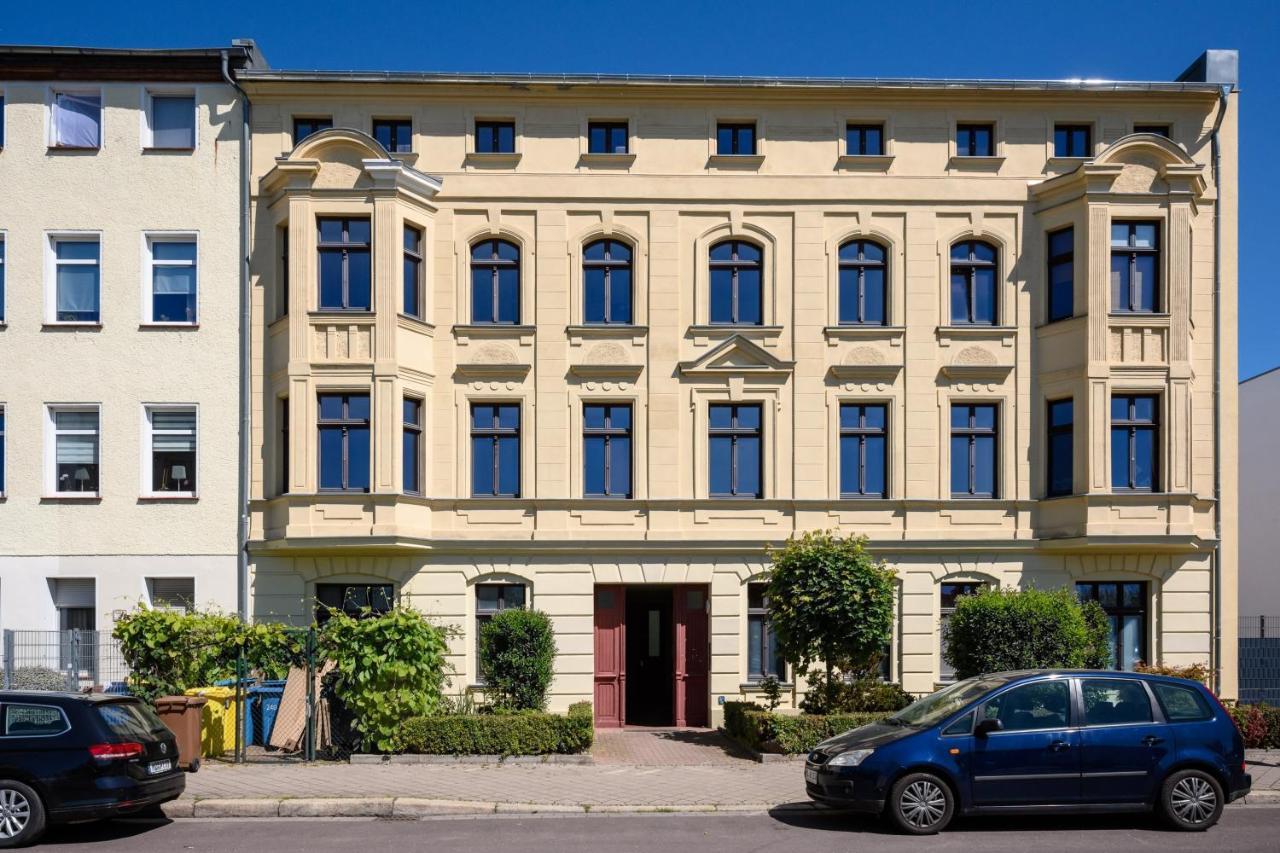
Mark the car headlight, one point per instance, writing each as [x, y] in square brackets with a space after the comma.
[852, 758]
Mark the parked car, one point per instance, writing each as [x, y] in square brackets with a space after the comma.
[68, 757]
[1077, 741]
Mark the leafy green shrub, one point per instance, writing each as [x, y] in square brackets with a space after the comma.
[843, 697]
[517, 653]
[38, 678]
[788, 734]
[388, 667]
[998, 630]
[523, 733]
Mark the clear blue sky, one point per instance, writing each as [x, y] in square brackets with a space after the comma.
[962, 38]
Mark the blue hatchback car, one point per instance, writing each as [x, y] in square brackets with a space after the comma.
[1059, 741]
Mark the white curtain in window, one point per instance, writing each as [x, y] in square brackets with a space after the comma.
[170, 280]
[77, 120]
[78, 288]
[174, 430]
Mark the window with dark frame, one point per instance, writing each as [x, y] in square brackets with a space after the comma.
[1059, 448]
[764, 660]
[737, 283]
[357, 600]
[344, 249]
[412, 271]
[863, 140]
[282, 235]
[863, 271]
[606, 283]
[735, 450]
[284, 446]
[411, 445]
[495, 137]
[304, 126]
[1125, 603]
[736, 138]
[974, 277]
[863, 450]
[2, 247]
[974, 450]
[1157, 129]
[950, 592]
[495, 283]
[394, 134]
[1135, 442]
[1072, 140]
[606, 450]
[495, 450]
[607, 137]
[343, 428]
[1061, 275]
[1135, 267]
[492, 599]
[975, 140]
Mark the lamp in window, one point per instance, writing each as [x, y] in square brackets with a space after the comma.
[81, 478]
[179, 474]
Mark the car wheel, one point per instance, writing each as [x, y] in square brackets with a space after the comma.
[21, 814]
[1191, 800]
[920, 804]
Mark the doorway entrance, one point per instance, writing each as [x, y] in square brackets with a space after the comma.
[650, 658]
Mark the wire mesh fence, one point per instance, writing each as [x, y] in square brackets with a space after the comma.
[63, 660]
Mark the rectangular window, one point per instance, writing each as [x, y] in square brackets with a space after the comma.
[1072, 140]
[495, 137]
[172, 593]
[171, 121]
[411, 450]
[344, 442]
[284, 446]
[607, 137]
[495, 450]
[345, 257]
[305, 126]
[2, 450]
[492, 599]
[1059, 449]
[1135, 440]
[736, 138]
[76, 120]
[950, 592]
[973, 450]
[975, 140]
[1, 121]
[282, 289]
[1125, 604]
[76, 602]
[606, 450]
[412, 271]
[864, 140]
[1061, 296]
[357, 600]
[863, 445]
[735, 450]
[172, 279]
[394, 134]
[75, 450]
[763, 659]
[1135, 267]
[77, 279]
[173, 449]
[2, 246]
[1157, 129]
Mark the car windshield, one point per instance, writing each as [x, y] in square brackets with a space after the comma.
[131, 720]
[933, 708]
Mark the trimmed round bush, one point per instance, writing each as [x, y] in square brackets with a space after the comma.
[517, 653]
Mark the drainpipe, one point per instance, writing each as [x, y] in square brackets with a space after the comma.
[1216, 556]
[242, 538]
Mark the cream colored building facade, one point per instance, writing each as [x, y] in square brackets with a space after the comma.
[121, 176]
[795, 199]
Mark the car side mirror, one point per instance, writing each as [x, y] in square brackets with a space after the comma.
[986, 727]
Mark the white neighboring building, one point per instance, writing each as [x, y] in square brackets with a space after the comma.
[1260, 501]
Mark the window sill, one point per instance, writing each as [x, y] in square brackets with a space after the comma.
[72, 326]
[168, 325]
[72, 497]
[415, 322]
[602, 160]
[167, 149]
[339, 313]
[977, 164]
[869, 162]
[602, 330]
[73, 148]
[492, 330]
[1058, 161]
[960, 330]
[493, 160]
[756, 686]
[171, 497]
[735, 161]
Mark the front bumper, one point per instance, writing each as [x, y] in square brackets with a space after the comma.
[844, 788]
[123, 799]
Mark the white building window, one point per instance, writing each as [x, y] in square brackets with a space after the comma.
[76, 119]
[72, 466]
[2, 450]
[76, 263]
[171, 121]
[170, 445]
[178, 594]
[171, 279]
[1, 279]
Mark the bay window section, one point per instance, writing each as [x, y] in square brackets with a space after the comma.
[1059, 450]
[344, 442]
[412, 445]
[1134, 442]
[345, 262]
[1135, 267]
[1061, 296]
[412, 272]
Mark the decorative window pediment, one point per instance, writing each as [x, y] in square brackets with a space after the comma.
[1138, 164]
[737, 356]
[343, 157]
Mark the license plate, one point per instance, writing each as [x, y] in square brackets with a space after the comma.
[159, 767]
[811, 776]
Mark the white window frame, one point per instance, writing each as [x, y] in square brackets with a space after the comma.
[4, 255]
[52, 238]
[149, 239]
[51, 434]
[52, 121]
[147, 452]
[4, 450]
[147, 134]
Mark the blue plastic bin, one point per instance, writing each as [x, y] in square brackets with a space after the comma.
[264, 704]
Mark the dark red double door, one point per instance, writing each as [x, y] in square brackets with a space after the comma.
[652, 655]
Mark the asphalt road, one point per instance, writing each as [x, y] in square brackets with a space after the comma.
[1243, 828]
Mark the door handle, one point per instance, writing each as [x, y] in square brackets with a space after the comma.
[1059, 746]
[1152, 740]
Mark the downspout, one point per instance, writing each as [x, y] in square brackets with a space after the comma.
[1216, 557]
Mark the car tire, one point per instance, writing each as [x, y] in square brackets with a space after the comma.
[920, 804]
[1191, 800]
[22, 816]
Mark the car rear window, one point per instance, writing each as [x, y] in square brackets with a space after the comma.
[1182, 704]
[131, 720]
[34, 721]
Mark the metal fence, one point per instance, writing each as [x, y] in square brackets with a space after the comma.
[1260, 659]
[63, 660]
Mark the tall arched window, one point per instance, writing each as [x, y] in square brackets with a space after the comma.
[495, 282]
[974, 273]
[606, 283]
[862, 283]
[737, 290]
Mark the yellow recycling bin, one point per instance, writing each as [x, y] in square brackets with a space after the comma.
[217, 720]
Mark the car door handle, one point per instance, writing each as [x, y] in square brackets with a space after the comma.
[1059, 746]
[1152, 740]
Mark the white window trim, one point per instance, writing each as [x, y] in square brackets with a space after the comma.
[51, 124]
[51, 449]
[146, 454]
[147, 135]
[51, 275]
[4, 257]
[149, 239]
[4, 450]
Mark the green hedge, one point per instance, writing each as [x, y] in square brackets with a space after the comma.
[788, 734]
[523, 733]
[1259, 725]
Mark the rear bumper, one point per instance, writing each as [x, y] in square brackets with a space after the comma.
[1240, 789]
[123, 799]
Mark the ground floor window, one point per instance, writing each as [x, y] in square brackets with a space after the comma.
[763, 659]
[950, 591]
[356, 600]
[1125, 604]
[491, 599]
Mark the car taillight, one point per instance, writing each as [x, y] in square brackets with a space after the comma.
[114, 751]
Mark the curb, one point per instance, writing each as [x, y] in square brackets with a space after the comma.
[410, 807]
[371, 759]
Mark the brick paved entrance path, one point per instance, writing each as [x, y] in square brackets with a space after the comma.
[666, 748]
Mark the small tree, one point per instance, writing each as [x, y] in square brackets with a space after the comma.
[998, 630]
[830, 602]
[517, 650]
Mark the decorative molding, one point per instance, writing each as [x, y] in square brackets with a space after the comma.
[737, 356]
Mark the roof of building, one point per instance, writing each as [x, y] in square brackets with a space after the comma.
[58, 62]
